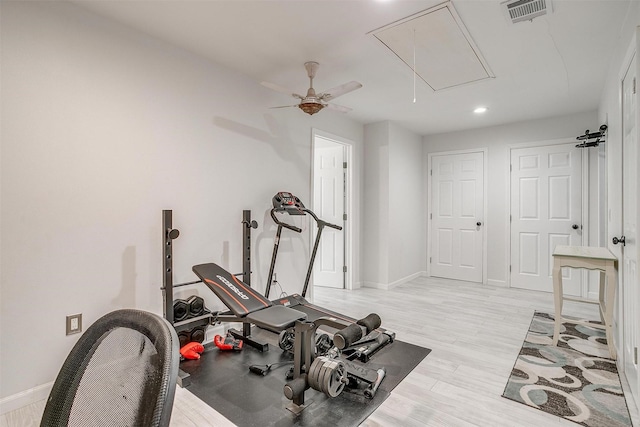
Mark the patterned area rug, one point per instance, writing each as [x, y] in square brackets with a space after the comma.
[575, 380]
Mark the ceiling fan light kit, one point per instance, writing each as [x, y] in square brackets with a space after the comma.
[311, 107]
[312, 103]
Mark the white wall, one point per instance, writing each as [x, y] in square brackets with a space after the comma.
[375, 221]
[407, 255]
[498, 139]
[102, 128]
[393, 225]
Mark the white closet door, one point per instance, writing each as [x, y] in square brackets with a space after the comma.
[457, 204]
[546, 210]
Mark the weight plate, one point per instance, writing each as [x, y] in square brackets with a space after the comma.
[325, 372]
[335, 383]
[312, 377]
[285, 340]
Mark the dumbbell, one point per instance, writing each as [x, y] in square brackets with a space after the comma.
[184, 337]
[198, 334]
[196, 306]
[180, 310]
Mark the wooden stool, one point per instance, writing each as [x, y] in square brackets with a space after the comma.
[591, 258]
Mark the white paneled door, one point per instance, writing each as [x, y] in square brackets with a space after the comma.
[457, 216]
[546, 210]
[630, 297]
[329, 204]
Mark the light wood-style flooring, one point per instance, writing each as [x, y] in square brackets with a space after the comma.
[475, 332]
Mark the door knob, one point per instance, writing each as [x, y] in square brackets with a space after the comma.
[619, 240]
[478, 223]
[575, 226]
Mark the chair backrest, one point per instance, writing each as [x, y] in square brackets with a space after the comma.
[121, 372]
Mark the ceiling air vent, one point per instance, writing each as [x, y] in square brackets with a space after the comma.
[525, 10]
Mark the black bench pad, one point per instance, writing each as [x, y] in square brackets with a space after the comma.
[233, 292]
[277, 317]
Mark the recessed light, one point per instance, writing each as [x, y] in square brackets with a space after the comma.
[480, 110]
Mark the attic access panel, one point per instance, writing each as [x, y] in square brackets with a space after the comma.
[445, 54]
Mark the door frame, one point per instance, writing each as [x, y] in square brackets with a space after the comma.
[429, 180]
[585, 200]
[347, 229]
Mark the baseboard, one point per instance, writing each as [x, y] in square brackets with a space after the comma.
[392, 285]
[375, 285]
[25, 398]
[497, 283]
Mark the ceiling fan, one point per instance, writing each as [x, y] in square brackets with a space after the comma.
[312, 103]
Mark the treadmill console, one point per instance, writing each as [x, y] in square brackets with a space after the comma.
[287, 202]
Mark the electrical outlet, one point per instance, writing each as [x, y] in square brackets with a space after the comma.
[74, 324]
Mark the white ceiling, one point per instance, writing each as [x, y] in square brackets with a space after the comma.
[553, 65]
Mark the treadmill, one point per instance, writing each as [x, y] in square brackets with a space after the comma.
[285, 203]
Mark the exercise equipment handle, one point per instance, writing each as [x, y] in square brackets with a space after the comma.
[371, 322]
[284, 224]
[320, 222]
[328, 224]
[352, 333]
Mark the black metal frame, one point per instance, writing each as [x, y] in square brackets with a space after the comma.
[169, 234]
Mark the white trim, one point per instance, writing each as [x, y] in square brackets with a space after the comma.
[25, 398]
[485, 178]
[498, 283]
[394, 284]
[348, 208]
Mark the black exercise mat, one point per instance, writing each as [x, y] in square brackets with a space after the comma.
[223, 381]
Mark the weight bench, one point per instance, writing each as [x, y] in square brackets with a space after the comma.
[245, 304]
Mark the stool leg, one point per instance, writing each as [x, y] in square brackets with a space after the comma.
[557, 299]
[612, 284]
[601, 293]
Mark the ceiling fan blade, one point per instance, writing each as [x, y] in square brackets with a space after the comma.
[339, 108]
[284, 106]
[281, 89]
[335, 92]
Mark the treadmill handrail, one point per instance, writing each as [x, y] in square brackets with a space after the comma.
[320, 224]
[283, 224]
[320, 221]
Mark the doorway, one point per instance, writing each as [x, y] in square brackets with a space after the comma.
[331, 202]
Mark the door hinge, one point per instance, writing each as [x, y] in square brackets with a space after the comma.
[510, 168]
[634, 85]
[431, 172]
[429, 260]
[510, 218]
[430, 216]
[509, 269]
[344, 217]
[344, 165]
[635, 355]
[344, 268]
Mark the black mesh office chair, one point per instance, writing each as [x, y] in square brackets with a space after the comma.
[121, 372]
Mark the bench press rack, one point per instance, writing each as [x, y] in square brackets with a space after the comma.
[169, 234]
